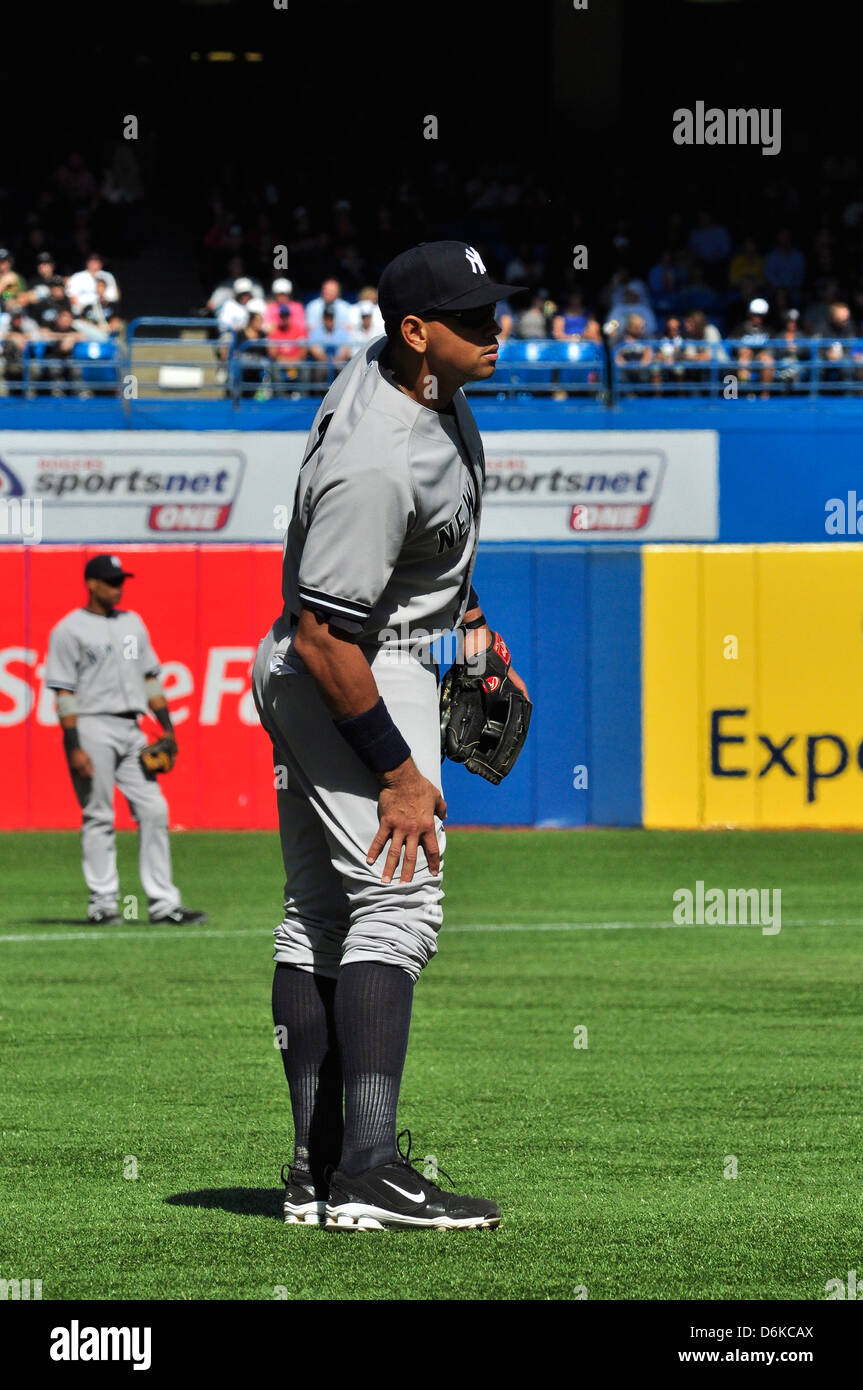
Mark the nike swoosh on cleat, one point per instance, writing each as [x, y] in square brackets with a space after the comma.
[412, 1196]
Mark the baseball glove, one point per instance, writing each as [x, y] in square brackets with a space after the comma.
[159, 756]
[484, 718]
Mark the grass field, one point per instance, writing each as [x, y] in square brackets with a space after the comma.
[608, 1161]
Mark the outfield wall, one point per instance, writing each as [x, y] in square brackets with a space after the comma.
[680, 678]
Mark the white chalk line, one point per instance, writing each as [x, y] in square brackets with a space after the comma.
[154, 933]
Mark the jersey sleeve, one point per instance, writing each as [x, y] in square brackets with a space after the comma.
[356, 528]
[61, 668]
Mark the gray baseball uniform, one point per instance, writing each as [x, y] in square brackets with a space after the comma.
[106, 660]
[382, 541]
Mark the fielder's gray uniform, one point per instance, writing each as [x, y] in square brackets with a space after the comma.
[106, 660]
[382, 541]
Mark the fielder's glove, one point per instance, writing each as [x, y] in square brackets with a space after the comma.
[484, 718]
[159, 756]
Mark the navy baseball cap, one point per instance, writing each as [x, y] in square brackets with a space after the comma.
[106, 567]
[437, 276]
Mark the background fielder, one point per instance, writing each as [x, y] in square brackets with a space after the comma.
[378, 560]
[102, 666]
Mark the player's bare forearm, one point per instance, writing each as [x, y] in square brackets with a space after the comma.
[408, 801]
[337, 666]
[79, 760]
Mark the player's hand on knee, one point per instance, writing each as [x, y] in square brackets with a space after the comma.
[407, 806]
[81, 764]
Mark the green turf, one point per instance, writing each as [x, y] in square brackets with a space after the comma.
[703, 1043]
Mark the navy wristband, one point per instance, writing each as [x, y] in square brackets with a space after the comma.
[374, 738]
[70, 738]
[164, 718]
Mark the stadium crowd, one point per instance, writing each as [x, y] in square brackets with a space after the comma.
[47, 325]
[776, 297]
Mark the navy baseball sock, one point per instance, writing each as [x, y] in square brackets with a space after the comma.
[303, 1007]
[373, 1017]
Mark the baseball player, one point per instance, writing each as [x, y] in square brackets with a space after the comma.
[378, 561]
[104, 672]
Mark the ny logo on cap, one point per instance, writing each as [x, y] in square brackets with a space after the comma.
[475, 259]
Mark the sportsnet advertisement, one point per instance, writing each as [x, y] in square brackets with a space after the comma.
[112, 487]
[601, 486]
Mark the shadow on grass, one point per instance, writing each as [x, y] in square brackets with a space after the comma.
[242, 1201]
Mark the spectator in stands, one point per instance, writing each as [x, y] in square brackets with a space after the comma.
[663, 282]
[702, 346]
[755, 360]
[839, 333]
[59, 348]
[505, 320]
[254, 355]
[286, 314]
[367, 295]
[11, 284]
[531, 322]
[632, 300]
[45, 311]
[791, 356]
[329, 298]
[633, 355]
[225, 289]
[710, 243]
[576, 324]
[784, 266]
[669, 369]
[817, 317]
[840, 323]
[100, 320]
[329, 344]
[367, 331]
[698, 294]
[234, 313]
[17, 331]
[81, 287]
[40, 285]
[285, 322]
[747, 264]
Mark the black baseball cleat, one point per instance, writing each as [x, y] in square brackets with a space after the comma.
[305, 1202]
[182, 917]
[104, 919]
[395, 1195]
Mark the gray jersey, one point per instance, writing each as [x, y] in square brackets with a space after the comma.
[105, 660]
[386, 516]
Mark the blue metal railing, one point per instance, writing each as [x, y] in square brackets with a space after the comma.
[162, 357]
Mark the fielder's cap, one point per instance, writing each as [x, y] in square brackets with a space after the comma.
[758, 306]
[436, 276]
[243, 285]
[283, 286]
[108, 567]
